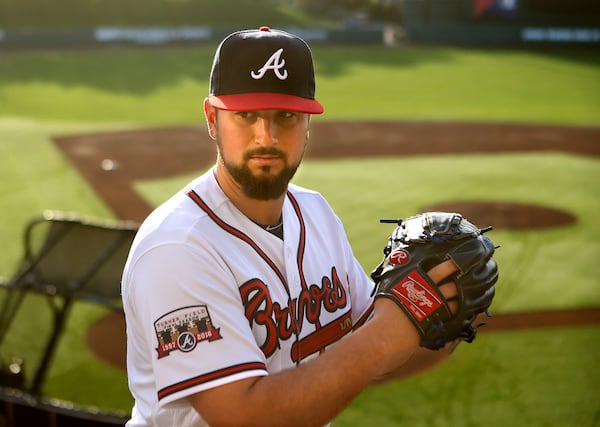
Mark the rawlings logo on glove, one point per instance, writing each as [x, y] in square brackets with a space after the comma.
[417, 296]
[422, 242]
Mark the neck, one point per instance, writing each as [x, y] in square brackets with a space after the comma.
[266, 212]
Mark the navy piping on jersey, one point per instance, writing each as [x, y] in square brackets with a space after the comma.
[301, 246]
[301, 240]
[244, 237]
[237, 233]
[296, 351]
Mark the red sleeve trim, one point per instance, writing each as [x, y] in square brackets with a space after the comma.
[211, 376]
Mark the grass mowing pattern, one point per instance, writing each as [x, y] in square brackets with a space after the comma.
[57, 93]
[527, 378]
[536, 260]
[156, 86]
[533, 378]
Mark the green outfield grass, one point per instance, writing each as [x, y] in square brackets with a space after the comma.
[534, 257]
[533, 378]
[168, 85]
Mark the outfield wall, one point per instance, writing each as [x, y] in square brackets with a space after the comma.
[417, 32]
[168, 35]
[502, 22]
[501, 35]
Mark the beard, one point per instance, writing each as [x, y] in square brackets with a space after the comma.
[264, 186]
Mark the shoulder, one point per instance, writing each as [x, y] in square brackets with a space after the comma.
[180, 219]
[312, 205]
[306, 195]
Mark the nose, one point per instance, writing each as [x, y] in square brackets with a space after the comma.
[266, 131]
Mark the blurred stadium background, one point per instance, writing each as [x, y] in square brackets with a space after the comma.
[60, 28]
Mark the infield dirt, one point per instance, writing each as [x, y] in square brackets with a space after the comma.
[112, 161]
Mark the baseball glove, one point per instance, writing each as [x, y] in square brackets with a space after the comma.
[417, 245]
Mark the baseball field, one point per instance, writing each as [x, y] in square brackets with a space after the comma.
[539, 103]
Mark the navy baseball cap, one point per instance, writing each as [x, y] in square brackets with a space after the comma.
[263, 69]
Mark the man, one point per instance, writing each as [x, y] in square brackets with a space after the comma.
[244, 303]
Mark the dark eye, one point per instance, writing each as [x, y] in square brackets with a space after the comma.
[248, 115]
[287, 118]
[286, 114]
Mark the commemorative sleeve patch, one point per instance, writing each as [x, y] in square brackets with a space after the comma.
[183, 329]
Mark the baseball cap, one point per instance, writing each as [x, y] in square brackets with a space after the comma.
[263, 69]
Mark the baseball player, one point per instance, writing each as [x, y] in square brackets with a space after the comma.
[244, 302]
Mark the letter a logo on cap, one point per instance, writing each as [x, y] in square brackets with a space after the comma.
[263, 69]
[275, 63]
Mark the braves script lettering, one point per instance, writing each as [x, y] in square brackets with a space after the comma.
[275, 63]
[280, 322]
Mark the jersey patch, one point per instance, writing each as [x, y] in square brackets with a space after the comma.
[183, 329]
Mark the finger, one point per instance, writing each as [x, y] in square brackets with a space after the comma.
[442, 270]
[449, 292]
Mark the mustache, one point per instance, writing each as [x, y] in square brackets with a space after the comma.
[264, 151]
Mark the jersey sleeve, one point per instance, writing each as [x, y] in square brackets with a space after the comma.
[189, 312]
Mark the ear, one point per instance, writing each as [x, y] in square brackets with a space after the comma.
[210, 113]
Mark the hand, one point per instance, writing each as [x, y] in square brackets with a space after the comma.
[442, 301]
[438, 273]
[409, 332]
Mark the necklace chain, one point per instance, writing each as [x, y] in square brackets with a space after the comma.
[273, 227]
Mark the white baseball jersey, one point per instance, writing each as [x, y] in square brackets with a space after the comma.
[211, 297]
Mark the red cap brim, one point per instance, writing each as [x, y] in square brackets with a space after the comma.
[265, 101]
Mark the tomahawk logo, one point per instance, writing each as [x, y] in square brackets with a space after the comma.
[275, 63]
[183, 329]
